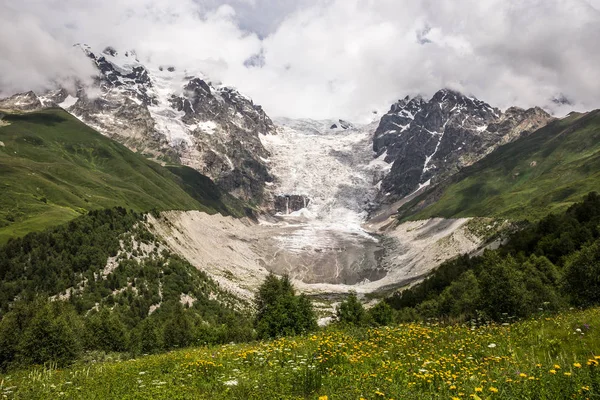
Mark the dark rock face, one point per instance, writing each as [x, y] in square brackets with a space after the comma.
[288, 203]
[341, 124]
[170, 116]
[427, 141]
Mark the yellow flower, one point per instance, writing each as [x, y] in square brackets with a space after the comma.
[523, 375]
[567, 374]
[553, 371]
[493, 389]
[323, 397]
[556, 366]
[577, 365]
[478, 389]
[452, 387]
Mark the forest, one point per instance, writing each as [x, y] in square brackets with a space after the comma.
[544, 266]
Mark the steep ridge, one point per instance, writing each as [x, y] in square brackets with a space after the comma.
[544, 172]
[55, 168]
[174, 115]
[427, 141]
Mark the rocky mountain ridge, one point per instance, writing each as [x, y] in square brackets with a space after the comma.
[428, 140]
[174, 116]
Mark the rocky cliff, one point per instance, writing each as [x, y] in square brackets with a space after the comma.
[428, 140]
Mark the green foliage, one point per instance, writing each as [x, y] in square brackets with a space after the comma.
[178, 329]
[105, 331]
[582, 276]
[543, 267]
[351, 311]
[55, 168]
[39, 332]
[280, 312]
[381, 314]
[541, 173]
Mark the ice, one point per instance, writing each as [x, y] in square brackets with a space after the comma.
[335, 169]
[207, 127]
[69, 102]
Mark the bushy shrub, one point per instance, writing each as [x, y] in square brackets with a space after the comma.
[280, 312]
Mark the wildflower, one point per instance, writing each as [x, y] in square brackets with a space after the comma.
[323, 397]
[577, 365]
[556, 366]
[552, 371]
[523, 375]
[567, 374]
[478, 389]
[493, 389]
[492, 345]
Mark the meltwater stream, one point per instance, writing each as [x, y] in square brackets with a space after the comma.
[335, 169]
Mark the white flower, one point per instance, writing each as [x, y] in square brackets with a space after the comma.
[492, 345]
[232, 382]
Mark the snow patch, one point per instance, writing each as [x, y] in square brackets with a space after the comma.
[69, 102]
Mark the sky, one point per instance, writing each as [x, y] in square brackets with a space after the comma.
[322, 58]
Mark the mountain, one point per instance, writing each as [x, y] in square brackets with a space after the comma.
[55, 168]
[427, 141]
[172, 115]
[544, 172]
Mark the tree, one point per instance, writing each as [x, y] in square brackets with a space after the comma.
[461, 298]
[49, 336]
[382, 314]
[105, 331]
[280, 312]
[178, 330]
[582, 276]
[351, 311]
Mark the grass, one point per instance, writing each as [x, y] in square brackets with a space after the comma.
[54, 168]
[526, 179]
[542, 358]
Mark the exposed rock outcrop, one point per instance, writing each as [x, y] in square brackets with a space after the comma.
[427, 141]
[172, 116]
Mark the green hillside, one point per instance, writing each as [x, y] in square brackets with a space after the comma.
[526, 179]
[54, 168]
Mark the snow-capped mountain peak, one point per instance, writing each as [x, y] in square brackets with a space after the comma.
[174, 115]
[428, 140]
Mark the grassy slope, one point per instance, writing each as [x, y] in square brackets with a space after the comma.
[505, 184]
[54, 168]
[543, 358]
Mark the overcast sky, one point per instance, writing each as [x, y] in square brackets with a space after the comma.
[323, 58]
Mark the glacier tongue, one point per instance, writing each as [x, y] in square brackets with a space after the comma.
[335, 169]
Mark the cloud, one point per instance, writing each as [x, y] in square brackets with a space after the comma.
[325, 58]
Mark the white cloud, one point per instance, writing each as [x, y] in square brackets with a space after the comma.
[325, 58]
